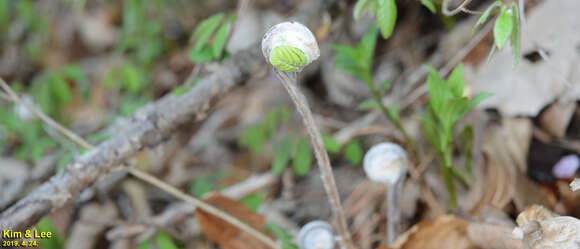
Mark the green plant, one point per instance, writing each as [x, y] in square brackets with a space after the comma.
[55, 241]
[506, 27]
[255, 136]
[50, 92]
[281, 235]
[210, 38]
[185, 87]
[53, 89]
[142, 31]
[4, 14]
[357, 61]
[446, 106]
[253, 201]
[162, 240]
[385, 10]
[132, 81]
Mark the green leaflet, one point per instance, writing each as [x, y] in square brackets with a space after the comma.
[287, 58]
[386, 17]
[515, 37]
[503, 28]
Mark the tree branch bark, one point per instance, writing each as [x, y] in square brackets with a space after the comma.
[146, 128]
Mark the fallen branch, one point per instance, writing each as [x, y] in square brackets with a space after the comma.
[146, 128]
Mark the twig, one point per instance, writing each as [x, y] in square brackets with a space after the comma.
[147, 127]
[290, 82]
[14, 97]
[5, 96]
[446, 69]
[146, 177]
[447, 12]
[206, 207]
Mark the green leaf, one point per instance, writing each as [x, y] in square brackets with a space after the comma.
[271, 120]
[132, 78]
[353, 152]
[204, 54]
[394, 112]
[74, 72]
[330, 143]
[429, 5]
[63, 161]
[436, 89]
[281, 235]
[55, 242]
[503, 28]
[200, 186]
[515, 37]
[185, 87]
[486, 14]
[430, 130]
[287, 58]
[60, 89]
[455, 81]
[366, 48]
[220, 39]
[386, 85]
[205, 29]
[302, 158]
[466, 138]
[164, 241]
[386, 17]
[361, 7]
[357, 60]
[368, 104]
[131, 104]
[4, 13]
[253, 201]
[252, 137]
[146, 244]
[282, 152]
[477, 99]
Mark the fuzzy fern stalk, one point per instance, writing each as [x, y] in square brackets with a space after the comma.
[289, 47]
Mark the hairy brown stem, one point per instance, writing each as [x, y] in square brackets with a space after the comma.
[290, 82]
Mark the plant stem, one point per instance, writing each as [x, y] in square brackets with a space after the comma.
[447, 178]
[290, 82]
[392, 210]
[144, 176]
[396, 122]
[463, 179]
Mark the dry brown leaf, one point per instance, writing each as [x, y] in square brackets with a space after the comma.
[506, 147]
[446, 231]
[534, 212]
[493, 236]
[540, 228]
[556, 117]
[223, 233]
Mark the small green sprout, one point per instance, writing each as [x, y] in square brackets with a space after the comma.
[446, 106]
